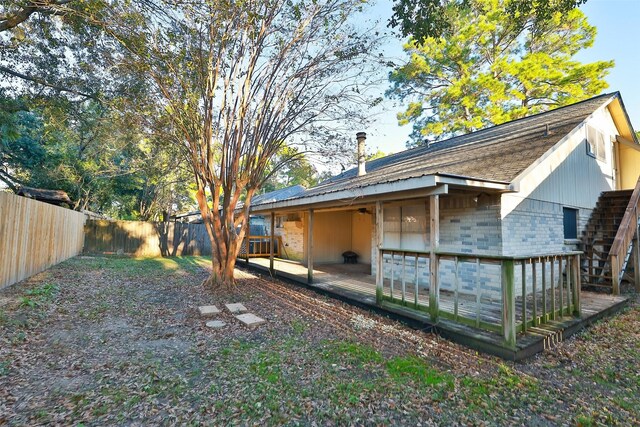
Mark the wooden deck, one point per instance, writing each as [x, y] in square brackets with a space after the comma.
[354, 283]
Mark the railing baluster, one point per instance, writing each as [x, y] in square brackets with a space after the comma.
[569, 284]
[455, 294]
[478, 292]
[535, 292]
[393, 261]
[524, 296]
[404, 257]
[415, 282]
[553, 288]
[544, 289]
[560, 288]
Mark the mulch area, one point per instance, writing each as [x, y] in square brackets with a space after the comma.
[120, 341]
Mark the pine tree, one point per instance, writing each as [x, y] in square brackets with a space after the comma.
[492, 69]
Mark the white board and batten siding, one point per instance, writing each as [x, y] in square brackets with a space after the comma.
[35, 236]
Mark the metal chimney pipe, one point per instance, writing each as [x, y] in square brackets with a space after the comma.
[361, 137]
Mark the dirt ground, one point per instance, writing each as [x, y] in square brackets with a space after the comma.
[118, 341]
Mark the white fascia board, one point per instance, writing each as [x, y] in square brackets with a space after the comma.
[353, 195]
[472, 182]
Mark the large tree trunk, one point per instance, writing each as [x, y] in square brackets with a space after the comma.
[222, 267]
[225, 243]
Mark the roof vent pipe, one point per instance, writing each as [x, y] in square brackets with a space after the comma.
[361, 137]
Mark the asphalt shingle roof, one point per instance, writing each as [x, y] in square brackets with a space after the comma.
[499, 153]
[277, 195]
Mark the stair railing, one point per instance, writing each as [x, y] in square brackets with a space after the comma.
[624, 238]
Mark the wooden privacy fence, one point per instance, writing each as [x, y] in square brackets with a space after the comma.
[148, 239]
[34, 236]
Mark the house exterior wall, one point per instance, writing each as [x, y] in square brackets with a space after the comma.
[629, 166]
[292, 233]
[361, 230]
[532, 219]
[331, 236]
[290, 228]
[468, 224]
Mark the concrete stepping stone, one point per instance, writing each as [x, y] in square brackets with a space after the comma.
[207, 310]
[216, 324]
[236, 308]
[250, 319]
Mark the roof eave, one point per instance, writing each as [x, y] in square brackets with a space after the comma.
[403, 189]
[621, 118]
[517, 181]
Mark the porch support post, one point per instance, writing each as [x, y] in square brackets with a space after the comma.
[508, 304]
[379, 242]
[310, 246]
[247, 234]
[272, 241]
[615, 274]
[578, 285]
[434, 228]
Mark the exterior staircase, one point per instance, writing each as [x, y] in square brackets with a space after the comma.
[608, 241]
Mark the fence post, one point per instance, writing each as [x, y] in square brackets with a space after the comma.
[508, 304]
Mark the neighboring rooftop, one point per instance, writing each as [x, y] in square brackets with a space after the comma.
[496, 154]
[53, 197]
[277, 195]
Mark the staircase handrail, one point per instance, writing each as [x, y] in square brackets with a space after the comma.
[624, 238]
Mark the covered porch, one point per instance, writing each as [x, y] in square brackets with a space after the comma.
[434, 255]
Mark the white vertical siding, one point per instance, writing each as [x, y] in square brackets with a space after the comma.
[532, 219]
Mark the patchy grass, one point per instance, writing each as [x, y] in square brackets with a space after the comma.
[350, 352]
[38, 296]
[413, 369]
[113, 340]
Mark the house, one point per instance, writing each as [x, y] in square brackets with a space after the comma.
[482, 231]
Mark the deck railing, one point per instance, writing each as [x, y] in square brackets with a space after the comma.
[500, 294]
[260, 246]
[618, 254]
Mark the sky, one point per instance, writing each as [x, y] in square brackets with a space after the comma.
[618, 38]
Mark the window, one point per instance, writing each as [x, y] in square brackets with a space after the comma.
[596, 146]
[570, 223]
